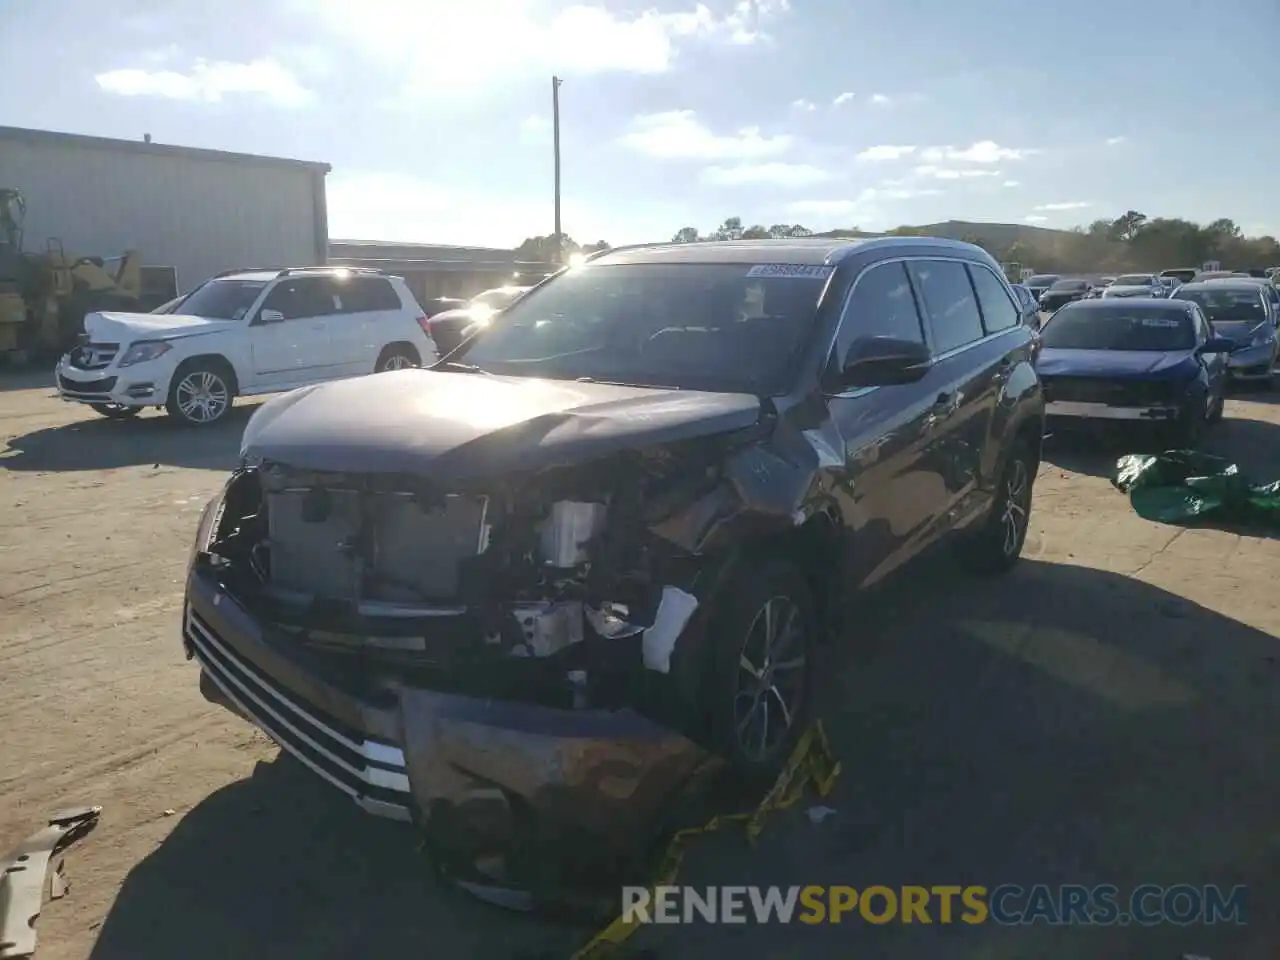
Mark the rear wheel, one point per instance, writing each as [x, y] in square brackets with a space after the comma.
[398, 356]
[201, 393]
[997, 545]
[115, 411]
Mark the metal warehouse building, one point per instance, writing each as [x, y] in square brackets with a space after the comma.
[198, 211]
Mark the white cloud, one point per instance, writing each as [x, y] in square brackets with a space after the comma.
[842, 99]
[804, 106]
[867, 205]
[828, 208]
[1035, 219]
[984, 151]
[484, 43]
[1011, 183]
[908, 193]
[535, 128]
[374, 205]
[879, 99]
[773, 174]
[1068, 205]
[210, 82]
[677, 134]
[885, 152]
[950, 173]
[1115, 141]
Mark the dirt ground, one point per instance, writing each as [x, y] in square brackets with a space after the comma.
[1106, 713]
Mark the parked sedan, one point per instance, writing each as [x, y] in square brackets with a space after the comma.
[1135, 285]
[1062, 293]
[1039, 283]
[1148, 361]
[1239, 310]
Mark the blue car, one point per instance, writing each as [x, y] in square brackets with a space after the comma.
[1245, 312]
[1028, 307]
[1146, 361]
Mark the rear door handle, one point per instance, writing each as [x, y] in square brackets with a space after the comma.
[945, 406]
[1003, 371]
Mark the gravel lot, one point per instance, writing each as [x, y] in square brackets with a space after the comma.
[1107, 713]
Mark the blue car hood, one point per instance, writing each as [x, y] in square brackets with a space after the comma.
[1121, 364]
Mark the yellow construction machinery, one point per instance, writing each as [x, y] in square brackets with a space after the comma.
[44, 296]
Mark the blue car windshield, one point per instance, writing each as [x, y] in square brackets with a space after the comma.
[1123, 327]
[730, 327]
[1229, 305]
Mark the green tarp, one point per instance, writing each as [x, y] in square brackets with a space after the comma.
[1180, 486]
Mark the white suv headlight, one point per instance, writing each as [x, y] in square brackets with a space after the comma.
[144, 350]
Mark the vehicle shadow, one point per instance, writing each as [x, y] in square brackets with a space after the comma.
[1252, 444]
[100, 444]
[1062, 724]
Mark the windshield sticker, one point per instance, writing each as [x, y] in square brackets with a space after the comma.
[812, 271]
[1160, 322]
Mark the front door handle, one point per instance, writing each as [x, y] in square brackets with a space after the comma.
[1003, 371]
[945, 405]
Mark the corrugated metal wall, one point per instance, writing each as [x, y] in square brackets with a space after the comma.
[197, 214]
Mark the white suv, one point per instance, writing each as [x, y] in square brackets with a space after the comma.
[245, 333]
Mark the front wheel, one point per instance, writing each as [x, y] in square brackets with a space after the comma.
[760, 684]
[115, 411]
[200, 395]
[398, 357]
[996, 546]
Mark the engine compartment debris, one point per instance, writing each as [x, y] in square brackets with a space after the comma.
[22, 878]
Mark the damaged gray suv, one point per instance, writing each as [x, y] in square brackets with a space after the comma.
[519, 597]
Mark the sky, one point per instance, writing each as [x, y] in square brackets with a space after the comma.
[436, 116]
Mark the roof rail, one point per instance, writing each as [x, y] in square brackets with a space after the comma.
[287, 271]
[624, 247]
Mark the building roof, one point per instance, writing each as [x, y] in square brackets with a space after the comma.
[55, 138]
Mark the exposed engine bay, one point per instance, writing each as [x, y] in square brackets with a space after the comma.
[462, 588]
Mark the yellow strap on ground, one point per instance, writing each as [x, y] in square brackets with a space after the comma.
[812, 764]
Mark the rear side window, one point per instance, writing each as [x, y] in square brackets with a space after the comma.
[882, 305]
[303, 297]
[367, 294]
[949, 302]
[998, 311]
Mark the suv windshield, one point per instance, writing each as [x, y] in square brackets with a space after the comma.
[221, 299]
[1135, 280]
[1066, 286]
[1042, 280]
[698, 326]
[1232, 304]
[1119, 328]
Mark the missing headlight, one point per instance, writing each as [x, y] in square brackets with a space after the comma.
[567, 530]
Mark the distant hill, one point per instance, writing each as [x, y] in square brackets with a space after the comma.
[993, 236]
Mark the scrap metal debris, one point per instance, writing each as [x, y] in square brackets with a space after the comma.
[22, 877]
[1179, 486]
[812, 765]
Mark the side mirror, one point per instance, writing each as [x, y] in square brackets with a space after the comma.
[884, 362]
[1218, 345]
[268, 316]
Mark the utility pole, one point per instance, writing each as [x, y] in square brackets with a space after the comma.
[555, 128]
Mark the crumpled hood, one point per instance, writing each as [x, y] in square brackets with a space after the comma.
[463, 425]
[111, 327]
[1121, 364]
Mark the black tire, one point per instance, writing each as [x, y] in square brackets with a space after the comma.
[746, 711]
[192, 379]
[115, 411]
[995, 547]
[398, 356]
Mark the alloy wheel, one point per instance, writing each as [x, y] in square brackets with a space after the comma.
[202, 396]
[397, 361]
[770, 678]
[1013, 519]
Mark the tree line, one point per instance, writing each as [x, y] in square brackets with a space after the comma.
[1132, 241]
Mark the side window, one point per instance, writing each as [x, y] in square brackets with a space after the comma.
[949, 302]
[303, 297]
[882, 305]
[367, 294]
[998, 311]
[1200, 323]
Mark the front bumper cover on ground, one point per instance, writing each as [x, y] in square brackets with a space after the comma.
[494, 785]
